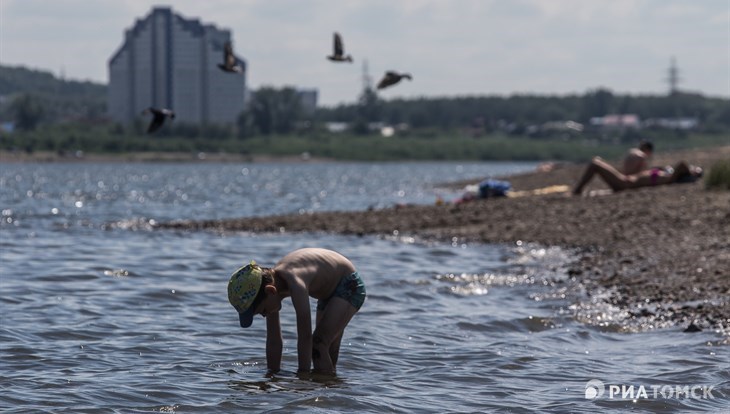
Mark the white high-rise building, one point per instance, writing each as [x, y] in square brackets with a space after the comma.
[172, 62]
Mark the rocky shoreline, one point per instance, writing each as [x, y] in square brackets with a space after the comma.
[661, 254]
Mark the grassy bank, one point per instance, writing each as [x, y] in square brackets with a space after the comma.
[454, 146]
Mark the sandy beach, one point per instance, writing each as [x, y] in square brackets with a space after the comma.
[661, 255]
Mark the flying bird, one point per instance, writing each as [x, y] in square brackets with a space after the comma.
[158, 117]
[391, 78]
[338, 54]
[230, 64]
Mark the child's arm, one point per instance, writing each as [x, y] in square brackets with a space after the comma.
[300, 300]
[274, 342]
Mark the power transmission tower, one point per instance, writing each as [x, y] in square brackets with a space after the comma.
[367, 81]
[673, 78]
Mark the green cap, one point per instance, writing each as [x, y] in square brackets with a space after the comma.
[243, 287]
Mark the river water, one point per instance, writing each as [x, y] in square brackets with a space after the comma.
[102, 314]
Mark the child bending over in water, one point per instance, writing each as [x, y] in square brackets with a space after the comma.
[681, 172]
[322, 274]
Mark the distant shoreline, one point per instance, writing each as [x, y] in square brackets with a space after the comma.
[143, 157]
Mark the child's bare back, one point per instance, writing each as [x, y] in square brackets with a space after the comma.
[319, 269]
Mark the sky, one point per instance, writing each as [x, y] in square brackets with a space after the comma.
[450, 47]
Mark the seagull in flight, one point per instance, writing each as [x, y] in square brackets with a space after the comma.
[338, 54]
[158, 117]
[230, 64]
[391, 78]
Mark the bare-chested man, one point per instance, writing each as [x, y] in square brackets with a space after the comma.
[637, 159]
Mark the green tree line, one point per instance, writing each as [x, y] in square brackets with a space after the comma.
[33, 98]
[489, 111]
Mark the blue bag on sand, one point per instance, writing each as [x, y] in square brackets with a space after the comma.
[493, 188]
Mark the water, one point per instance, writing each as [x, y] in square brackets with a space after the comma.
[102, 316]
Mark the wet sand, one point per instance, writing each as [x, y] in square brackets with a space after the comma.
[661, 254]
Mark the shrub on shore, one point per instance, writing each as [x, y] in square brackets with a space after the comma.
[719, 176]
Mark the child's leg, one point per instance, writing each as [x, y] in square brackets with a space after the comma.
[331, 323]
[335, 349]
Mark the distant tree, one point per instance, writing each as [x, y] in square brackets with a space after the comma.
[288, 110]
[369, 105]
[116, 129]
[20, 79]
[28, 111]
[216, 131]
[367, 111]
[719, 119]
[61, 100]
[244, 125]
[183, 129]
[274, 110]
[261, 110]
[597, 103]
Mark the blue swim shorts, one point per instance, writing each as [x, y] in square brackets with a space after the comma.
[351, 288]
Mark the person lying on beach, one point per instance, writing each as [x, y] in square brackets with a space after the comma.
[320, 273]
[682, 172]
[637, 159]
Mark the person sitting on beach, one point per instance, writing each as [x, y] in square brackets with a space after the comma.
[682, 172]
[637, 159]
[320, 273]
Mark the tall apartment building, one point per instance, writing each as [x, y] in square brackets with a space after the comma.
[169, 61]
